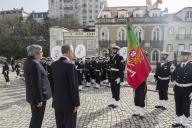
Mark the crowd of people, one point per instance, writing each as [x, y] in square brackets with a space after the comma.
[11, 66]
[64, 78]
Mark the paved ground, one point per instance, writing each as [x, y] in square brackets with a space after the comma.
[93, 113]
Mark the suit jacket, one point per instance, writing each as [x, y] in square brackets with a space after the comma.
[37, 83]
[66, 92]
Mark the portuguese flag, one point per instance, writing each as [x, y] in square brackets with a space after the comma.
[138, 67]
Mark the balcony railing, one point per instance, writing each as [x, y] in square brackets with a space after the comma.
[121, 43]
[184, 37]
[156, 44]
[142, 43]
[134, 20]
[104, 43]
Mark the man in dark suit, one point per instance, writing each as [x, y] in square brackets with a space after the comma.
[38, 89]
[66, 92]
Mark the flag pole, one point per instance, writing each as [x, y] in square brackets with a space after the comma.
[144, 36]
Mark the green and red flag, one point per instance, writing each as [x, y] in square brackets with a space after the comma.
[138, 67]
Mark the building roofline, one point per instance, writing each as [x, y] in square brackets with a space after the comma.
[183, 9]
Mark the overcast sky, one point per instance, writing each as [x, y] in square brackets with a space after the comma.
[42, 5]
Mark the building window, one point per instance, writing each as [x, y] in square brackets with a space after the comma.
[171, 30]
[121, 15]
[181, 47]
[139, 34]
[182, 32]
[155, 56]
[104, 34]
[170, 47]
[189, 16]
[52, 1]
[155, 14]
[156, 34]
[121, 34]
[190, 47]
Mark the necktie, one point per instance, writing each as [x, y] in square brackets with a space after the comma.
[183, 65]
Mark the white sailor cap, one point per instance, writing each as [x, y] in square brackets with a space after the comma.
[116, 47]
[165, 53]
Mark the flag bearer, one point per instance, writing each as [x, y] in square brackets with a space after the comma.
[139, 100]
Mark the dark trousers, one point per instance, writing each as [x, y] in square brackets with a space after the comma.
[92, 74]
[97, 77]
[87, 76]
[65, 119]
[80, 77]
[18, 72]
[140, 94]
[6, 76]
[104, 75]
[163, 89]
[13, 67]
[115, 88]
[182, 100]
[37, 115]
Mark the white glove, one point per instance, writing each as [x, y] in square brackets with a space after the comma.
[190, 96]
[118, 80]
[172, 68]
[171, 84]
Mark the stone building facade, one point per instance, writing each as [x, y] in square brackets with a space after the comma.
[60, 36]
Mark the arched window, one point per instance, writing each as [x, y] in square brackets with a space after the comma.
[104, 35]
[156, 34]
[139, 34]
[121, 34]
[155, 56]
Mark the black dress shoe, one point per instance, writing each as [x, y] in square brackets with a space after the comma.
[176, 125]
[163, 108]
[158, 106]
[135, 115]
[111, 105]
[114, 106]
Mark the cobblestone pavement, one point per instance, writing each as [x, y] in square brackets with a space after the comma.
[93, 113]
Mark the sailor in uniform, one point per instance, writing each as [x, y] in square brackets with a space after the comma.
[139, 99]
[92, 62]
[162, 76]
[87, 71]
[116, 69]
[79, 68]
[5, 72]
[182, 75]
[97, 72]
